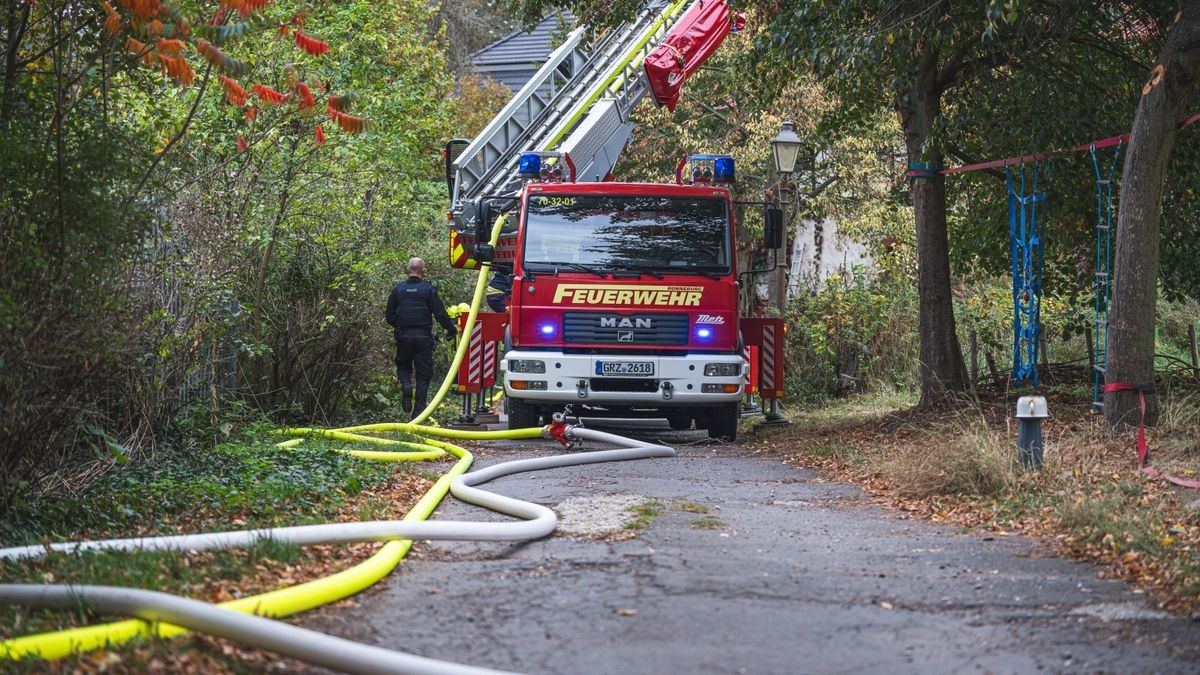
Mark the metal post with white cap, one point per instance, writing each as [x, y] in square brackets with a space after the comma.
[1031, 410]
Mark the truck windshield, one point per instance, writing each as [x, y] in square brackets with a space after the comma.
[613, 232]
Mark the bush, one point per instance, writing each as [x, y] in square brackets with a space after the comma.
[857, 333]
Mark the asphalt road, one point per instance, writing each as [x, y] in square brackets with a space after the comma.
[786, 573]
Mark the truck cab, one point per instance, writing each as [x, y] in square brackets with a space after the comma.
[625, 304]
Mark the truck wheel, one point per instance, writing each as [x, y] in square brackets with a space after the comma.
[522, 415]
[680, 422]
[722, 423]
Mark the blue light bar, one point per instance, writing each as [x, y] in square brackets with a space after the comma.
[547, 329]
[723, 170]
[704, 333]
[530, 166]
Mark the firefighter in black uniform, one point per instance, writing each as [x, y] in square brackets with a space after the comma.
[411, 309]
[499, 289]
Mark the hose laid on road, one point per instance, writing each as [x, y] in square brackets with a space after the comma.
[308, 645]
[171, 615]
[311, 594]
[539, 521]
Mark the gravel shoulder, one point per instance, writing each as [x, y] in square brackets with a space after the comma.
[747, 565]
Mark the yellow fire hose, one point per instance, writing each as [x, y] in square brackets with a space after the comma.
[302, 597]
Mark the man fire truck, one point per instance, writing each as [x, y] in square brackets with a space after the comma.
[624, 295]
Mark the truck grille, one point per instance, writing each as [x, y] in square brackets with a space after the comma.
[625, 329]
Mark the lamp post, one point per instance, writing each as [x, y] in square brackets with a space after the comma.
[785, 148]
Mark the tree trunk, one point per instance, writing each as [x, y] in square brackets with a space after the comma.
[18, 22]
[942, 368]
[1135, 290]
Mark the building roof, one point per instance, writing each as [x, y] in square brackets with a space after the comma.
[512, 60]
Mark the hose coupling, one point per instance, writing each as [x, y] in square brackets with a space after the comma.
[558, 429]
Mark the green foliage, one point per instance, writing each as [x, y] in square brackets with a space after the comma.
[149, 266]
[856, 333]
[252, 482]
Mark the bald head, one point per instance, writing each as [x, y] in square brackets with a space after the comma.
[416, 267]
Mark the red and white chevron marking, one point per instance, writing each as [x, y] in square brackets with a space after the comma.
[746, 356]
[475, 355]
[489, 363]
[768, 360]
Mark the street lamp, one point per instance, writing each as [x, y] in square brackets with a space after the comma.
[786, 147]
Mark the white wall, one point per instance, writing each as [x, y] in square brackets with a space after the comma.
[819, 251]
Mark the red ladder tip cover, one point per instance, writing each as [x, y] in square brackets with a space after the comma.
[689, 44]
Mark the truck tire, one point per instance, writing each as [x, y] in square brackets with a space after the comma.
[680, 422]
[522, 415]
[722, 423]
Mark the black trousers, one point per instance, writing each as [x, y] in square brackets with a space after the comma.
[414, 351]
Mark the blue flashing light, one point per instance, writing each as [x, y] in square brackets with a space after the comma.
[530, 165]
[704, 333]
[547, 329]
[723, 170]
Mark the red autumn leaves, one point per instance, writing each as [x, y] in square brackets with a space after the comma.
[310, 45]
[166, 54]
[159, 35]
[268, 95]
[337, 106]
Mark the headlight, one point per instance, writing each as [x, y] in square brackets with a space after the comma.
[526, 366]
[528, 385]
[722, 369]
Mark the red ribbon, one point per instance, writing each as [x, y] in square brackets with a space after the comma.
[1143, 448]
[1041, 156]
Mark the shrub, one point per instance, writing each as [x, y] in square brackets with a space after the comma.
[856, 333]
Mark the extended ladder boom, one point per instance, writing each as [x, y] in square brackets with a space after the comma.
[579, 103]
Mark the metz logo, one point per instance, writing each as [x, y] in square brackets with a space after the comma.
[607, 294]
[709, 318]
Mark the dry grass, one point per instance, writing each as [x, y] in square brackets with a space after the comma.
[972, 459]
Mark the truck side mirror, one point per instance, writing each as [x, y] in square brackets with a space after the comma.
[454, 148]
[773, 228]
[484, 253]
[483, 221]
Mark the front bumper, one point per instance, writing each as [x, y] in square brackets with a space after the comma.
[677, 380]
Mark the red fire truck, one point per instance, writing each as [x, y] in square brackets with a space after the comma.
[625, 295]
[625, 303]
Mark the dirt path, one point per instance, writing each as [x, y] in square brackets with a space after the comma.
[785, 573]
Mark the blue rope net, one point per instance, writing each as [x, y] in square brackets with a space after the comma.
[1025, 240]
[1103, 272]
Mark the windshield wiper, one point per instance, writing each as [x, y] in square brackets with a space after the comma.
[544, 267]
[579, 266]
[639, 269]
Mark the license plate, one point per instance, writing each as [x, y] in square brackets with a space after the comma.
[635, 368]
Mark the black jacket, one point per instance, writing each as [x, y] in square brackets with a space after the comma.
[414, 303]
